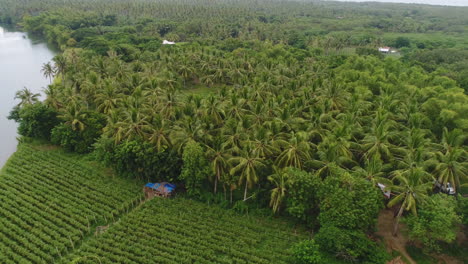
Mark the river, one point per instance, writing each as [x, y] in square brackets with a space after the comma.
[21, 60]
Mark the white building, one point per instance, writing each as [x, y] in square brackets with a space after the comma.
[165, 42]
[385, 49]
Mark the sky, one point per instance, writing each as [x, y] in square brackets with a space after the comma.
[431, 2]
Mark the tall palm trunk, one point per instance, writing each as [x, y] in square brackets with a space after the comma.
[225, 193]
[216, 181]
[397, 221]
[245, 191]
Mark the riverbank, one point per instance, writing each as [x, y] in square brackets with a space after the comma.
[21, 60]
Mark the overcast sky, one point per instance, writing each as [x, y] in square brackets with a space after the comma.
[431, 2]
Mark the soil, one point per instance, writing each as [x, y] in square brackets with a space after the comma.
[398, 242]
[393, 243]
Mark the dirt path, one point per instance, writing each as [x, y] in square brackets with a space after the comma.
[384, 229]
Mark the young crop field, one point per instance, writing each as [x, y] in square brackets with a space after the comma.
[49, 202]
[184, 231]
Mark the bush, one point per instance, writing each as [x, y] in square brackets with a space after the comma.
[76, 140]
[307, 252]
[401, 42]
[437, 221]
[350, 245]
[36, 120]
[462, 209]
[302, 201]
[349, 202]
[139, 159]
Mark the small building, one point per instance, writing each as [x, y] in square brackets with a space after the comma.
[385, 49]
[162, 189]
[166, 42]
[387, 193]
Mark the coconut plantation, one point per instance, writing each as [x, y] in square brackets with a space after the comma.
[234, 131]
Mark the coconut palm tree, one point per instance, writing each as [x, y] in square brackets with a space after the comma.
[133, 125]
[108, 97]
[378, 140]
[52, 97]
[411, 187]
[159, 131]
[295, 152]
[246, 166]
[48, 71]
[73, 116]
[452, 166]
[27, 97]
[219, 157]
[280, 180]
[60, 65]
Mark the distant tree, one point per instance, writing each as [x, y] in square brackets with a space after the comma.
[402, 42]
[48, 71]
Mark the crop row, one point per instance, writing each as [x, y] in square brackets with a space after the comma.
[49, 203]
[184, 231]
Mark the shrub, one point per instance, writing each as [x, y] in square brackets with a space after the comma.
[350, 245]
[307, 252]
[302, 198]
[35, 120]
[436, 222]
[349, 202]
[76, 140]
[138, 159]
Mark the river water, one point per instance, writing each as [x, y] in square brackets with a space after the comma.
[21, 60]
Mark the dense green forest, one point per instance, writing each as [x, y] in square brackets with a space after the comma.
[280, 104]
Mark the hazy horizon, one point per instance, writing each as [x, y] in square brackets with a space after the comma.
[429, 2]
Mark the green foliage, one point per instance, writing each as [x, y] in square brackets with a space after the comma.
[185, 231]
[302, 199]
[349, 203]
[35, 120]
[76, 140]
[350, 245]
[402, 42]
[418, 255]
[363, 51]
[296, 89]
[437, 221]
[62, 197]
[307, 252]
[462, 209]
[195, 169]
[138, 159]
